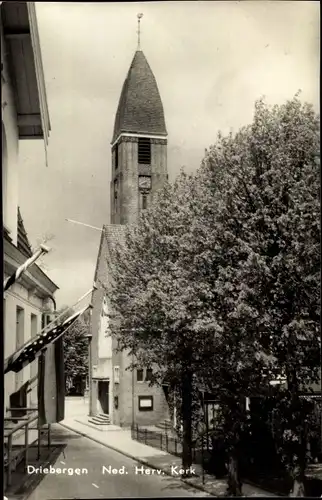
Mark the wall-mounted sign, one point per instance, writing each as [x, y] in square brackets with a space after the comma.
[145, 403]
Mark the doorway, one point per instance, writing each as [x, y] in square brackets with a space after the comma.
[103, 396]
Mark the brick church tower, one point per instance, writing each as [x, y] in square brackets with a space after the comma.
[139, 169]
[139, 144]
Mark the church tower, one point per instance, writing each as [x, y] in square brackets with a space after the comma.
[139, 170]
[139, 143]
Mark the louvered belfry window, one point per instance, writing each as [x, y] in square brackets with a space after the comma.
[144, 151]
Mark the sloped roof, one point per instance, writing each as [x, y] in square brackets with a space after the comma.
[111, 236]
[140, 108]
[22, 238]
[115, 235]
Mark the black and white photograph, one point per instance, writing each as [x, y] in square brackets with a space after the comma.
[161, 249]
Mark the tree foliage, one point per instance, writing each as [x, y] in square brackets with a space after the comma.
[219, 281]
[75, 346]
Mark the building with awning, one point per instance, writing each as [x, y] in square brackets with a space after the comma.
[25, 116]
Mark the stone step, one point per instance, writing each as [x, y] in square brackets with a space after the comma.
[100, 420]
[104, 416]
[95, 422]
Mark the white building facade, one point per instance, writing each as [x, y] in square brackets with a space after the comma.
[24, 116]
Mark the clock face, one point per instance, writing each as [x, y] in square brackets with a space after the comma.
[144, 182]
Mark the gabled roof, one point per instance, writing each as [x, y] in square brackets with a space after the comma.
[115, 235]
[15, 256]
[22, 239]
[140, 109]
[111, 236]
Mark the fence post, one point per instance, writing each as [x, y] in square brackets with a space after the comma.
[176, 446]
[166, 443]
[137, 432]
[202, 460]
[145, 435]
[26, 444]
[49, 435]
[160, 440]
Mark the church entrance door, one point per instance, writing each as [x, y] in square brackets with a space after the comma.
[103, 396]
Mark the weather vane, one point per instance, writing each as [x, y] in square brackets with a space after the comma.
[139, 16]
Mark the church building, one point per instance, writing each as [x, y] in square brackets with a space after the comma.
[139, 170]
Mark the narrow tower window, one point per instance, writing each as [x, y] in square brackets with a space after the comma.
[115, 194]
[144, 151]
[144, 202]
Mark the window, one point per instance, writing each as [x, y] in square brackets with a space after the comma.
[144, 202]
[148, 375]
[116, 374]
[145, 403]
[116, 155]
[20, 327]
[139, 375]
[144, 151]
[116, 402]
[20, 333]
[34, 364]
[115, 193]
[45, 320]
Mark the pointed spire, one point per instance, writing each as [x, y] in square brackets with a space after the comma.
[139, 16]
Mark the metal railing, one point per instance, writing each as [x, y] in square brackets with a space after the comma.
[160, 440]
[22, 423]
[173, 445]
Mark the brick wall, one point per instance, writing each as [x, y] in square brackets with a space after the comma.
[125, 416]
[127, 173]
[125, 211]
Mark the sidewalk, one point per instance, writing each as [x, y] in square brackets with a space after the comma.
[120, 440]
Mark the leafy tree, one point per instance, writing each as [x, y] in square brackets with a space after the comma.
[268, 175]
[155, 298]
[219, 281]
[75, 346]
[232, 362]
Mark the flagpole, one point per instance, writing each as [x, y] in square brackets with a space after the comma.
[10, 360]
[8, 282]
[78, 314]
[94, 287]
[83, 224]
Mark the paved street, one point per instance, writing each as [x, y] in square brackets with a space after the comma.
[76, 406]
[83, 453]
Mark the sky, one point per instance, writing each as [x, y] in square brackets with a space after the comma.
[211, 60]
